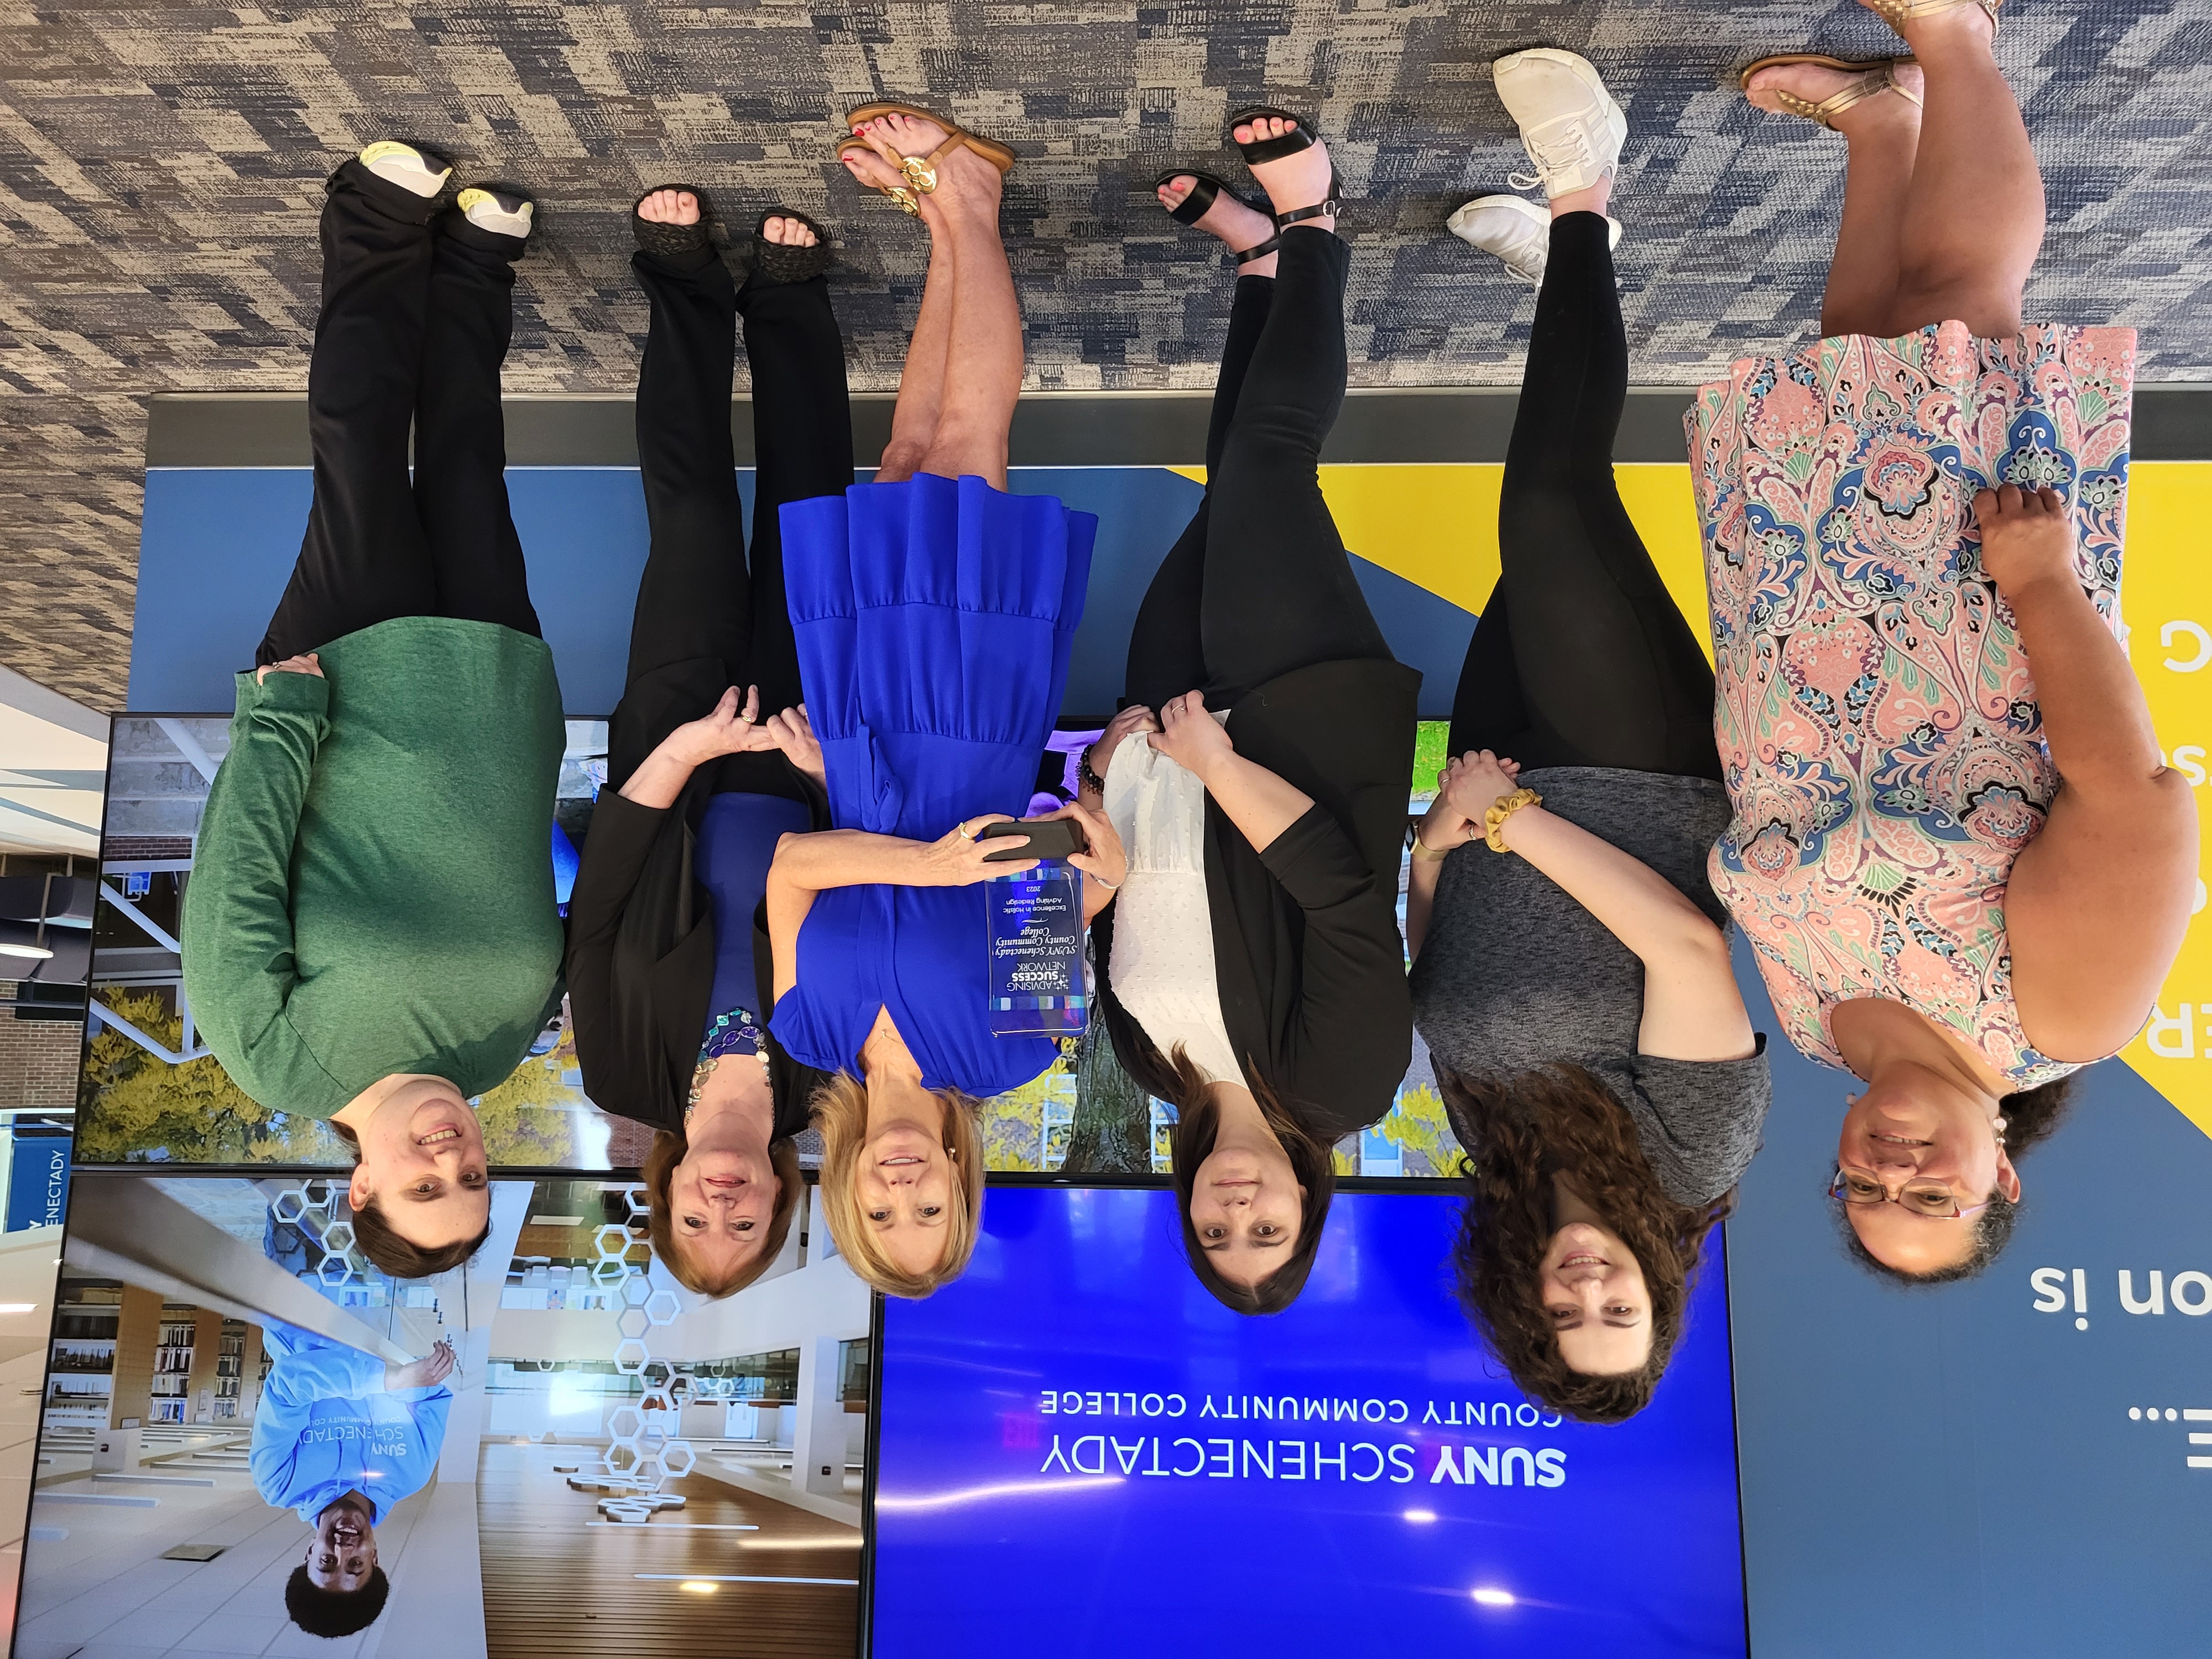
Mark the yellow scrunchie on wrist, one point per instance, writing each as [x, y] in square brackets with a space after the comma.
[1493, 821]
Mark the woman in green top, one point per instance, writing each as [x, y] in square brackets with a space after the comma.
[370, 934]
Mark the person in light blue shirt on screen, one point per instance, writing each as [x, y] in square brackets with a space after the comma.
[341, 1436]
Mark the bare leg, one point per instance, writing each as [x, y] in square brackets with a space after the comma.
[983, 372]
[921, 381]
[1973, 219]
[1882, 131]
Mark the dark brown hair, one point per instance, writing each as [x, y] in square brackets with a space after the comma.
[1563, 1119]
[2030, 1117]
[669, 1148]
[1198, 1121]
[393, 1255]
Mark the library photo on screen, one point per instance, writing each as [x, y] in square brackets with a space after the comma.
[250, 1435]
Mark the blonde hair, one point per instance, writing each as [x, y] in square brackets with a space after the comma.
[841, 1113]
[669, 1149]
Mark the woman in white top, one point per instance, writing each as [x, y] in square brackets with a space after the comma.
[1250, 967]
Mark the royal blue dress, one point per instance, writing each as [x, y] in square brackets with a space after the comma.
[934, 620]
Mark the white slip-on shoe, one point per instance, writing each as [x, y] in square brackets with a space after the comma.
[1516, 230]
[406, 166]
[1570, 126]
[496, 211]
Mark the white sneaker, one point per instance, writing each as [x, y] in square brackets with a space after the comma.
[1515, 229]
[1570, 126]
[406, 166]
[501, 214]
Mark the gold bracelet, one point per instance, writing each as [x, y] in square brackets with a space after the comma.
[1425, 854]
[1493, 821]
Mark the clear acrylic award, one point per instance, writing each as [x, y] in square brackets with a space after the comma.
[1036, 920]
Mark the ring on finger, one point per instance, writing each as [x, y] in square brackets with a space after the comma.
[966, 834]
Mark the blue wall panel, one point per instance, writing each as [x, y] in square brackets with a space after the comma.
[218, 544]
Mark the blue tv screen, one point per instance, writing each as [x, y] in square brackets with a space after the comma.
[1082, 1453]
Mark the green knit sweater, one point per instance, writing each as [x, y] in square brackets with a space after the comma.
[372, 888]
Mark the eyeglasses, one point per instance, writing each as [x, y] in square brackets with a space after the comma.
[1929, 1199]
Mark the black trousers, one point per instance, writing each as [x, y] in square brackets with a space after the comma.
[1259, 584]
[704, 621]
[417, 311]
[1582, 658]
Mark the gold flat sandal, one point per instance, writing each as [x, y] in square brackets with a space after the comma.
[921, 170]
[1869, 79]
[1898, 13]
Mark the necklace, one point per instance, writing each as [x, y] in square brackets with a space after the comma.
[732, 1033]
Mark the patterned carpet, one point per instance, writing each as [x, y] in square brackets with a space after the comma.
[160, 169]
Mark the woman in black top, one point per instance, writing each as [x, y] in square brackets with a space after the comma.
[666, 962]
[1574, 987]
[1256, 612]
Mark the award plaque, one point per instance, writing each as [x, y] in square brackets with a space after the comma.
[1036, 921]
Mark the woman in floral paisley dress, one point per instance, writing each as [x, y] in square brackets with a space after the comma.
[1955, 847]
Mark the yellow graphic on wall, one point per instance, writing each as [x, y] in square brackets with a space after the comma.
[2165, 594]
[1436, 527]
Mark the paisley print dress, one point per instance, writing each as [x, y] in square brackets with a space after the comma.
[1875, 713]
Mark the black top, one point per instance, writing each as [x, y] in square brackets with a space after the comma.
[1514, 974]
[641, 955]
[1308, 956]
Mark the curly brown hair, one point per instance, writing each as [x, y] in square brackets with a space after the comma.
[1561, 1119]
[1198, 1121]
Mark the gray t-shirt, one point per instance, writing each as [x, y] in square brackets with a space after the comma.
[1514, 974]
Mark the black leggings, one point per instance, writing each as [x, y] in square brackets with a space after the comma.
[417, 314]
[1260, 583]
[1582, 658]
[704, 622]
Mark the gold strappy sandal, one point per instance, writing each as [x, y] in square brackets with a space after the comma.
[1898, 13]
[1869, 79]
[921, 171]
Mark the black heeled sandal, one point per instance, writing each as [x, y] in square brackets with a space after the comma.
[1300, 136]
[671, 241]
[1203, 195]
[785, 262]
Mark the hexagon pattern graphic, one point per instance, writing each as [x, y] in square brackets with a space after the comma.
[642, 1452]
[312, 1208]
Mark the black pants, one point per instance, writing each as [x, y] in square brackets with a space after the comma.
[417, 314]
[1582, 657]
[1260, 583]
[703, 621]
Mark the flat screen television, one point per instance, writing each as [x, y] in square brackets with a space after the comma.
[1081, 1453]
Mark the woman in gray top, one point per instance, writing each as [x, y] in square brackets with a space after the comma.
[1572, 974]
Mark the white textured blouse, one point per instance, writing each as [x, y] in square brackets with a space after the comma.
[1163, 964]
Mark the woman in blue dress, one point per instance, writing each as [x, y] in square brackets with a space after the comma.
[934, 614]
